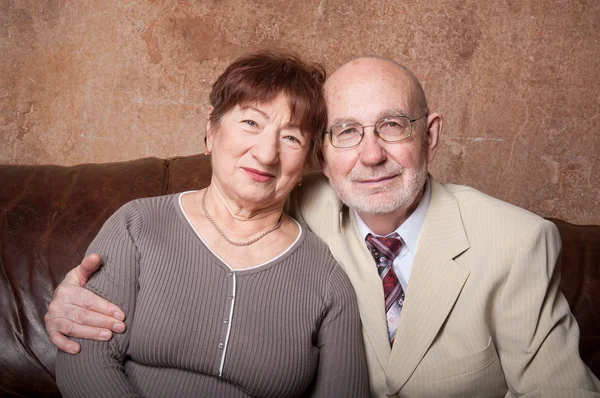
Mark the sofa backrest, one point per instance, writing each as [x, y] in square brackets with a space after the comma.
[50, 214]
[580, 283]
[48, 217]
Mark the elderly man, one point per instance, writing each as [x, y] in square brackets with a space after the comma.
[458, 292]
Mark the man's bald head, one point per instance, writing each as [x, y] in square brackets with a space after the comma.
[370, 67]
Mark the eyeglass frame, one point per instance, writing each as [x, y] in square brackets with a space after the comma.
[375, 130]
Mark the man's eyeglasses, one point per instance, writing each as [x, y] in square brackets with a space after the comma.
[389, 129]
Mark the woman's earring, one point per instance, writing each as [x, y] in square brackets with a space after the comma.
[300, 182]
[207, 153]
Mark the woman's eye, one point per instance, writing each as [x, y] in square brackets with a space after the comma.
[250, 123]
[292, 138]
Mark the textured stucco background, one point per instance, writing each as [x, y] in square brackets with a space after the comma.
[518, 81]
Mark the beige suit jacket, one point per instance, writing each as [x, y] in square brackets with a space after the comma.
[483, 314]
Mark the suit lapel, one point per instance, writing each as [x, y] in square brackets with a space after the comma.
[435, 284]
[351, 252]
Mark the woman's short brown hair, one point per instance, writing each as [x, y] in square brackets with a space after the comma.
[261, 76]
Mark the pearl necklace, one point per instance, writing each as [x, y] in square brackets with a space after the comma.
[214, 224]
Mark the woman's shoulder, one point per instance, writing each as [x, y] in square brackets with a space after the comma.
[155, 201]
[139, 210]
[316, 253]
[319, 261]
[313, 243]
[151, 205]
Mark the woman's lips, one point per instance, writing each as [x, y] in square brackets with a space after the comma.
[257, 175]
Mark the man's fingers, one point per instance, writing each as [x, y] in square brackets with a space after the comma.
[68, 295]
[77, 312]
[99, 305]
[93, 320]
[72, 329]
[88, 267]
[63, 343]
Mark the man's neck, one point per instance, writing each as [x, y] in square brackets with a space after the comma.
[385, 224]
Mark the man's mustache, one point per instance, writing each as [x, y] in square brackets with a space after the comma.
[376, 172]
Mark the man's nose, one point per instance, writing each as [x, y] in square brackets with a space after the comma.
[371, 150]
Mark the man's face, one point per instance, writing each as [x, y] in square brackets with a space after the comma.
[377, 177]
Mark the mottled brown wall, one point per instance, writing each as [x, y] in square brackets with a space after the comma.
[517, 80]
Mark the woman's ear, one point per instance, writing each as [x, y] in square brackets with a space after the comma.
[209, 131]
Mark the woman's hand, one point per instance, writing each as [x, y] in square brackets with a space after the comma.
[77, 312]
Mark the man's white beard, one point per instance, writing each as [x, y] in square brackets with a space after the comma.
[380, 201]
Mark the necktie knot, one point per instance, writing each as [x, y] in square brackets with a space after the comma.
[384, 249]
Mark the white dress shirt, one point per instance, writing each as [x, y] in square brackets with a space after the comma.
[409, 231]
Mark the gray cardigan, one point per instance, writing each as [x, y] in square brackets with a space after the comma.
[195, 327]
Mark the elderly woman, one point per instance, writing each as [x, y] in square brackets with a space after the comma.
[260, 306]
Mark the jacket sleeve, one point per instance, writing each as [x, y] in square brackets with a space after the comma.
[342, 369]
[98, 371]
[537, 335]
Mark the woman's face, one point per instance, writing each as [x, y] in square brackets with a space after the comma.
[258, 154]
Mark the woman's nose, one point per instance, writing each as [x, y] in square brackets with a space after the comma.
[266, 148]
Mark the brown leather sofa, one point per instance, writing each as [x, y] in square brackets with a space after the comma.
[49, 215]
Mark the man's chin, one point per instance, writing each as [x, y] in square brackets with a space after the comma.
[372, 203]
[377, 208]
[383, 202]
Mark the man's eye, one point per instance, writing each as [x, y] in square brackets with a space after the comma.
[347, 131]
[393, 124]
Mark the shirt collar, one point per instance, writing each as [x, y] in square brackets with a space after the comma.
[409, 230]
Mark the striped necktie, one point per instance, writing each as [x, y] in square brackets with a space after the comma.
[384, 251]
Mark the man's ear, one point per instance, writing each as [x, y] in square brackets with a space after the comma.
[434, 130]
[209, 130]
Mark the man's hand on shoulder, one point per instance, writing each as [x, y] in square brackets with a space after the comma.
[77, 312]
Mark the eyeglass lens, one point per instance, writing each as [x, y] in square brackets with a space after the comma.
[391, 129]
